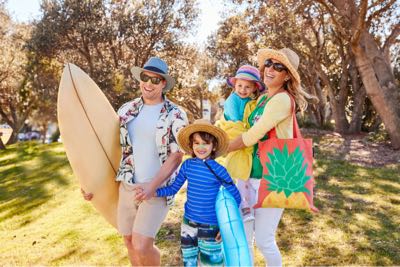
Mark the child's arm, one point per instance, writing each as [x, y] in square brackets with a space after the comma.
[229, 184]
[166, 170]
[175, 186]
[231, 109]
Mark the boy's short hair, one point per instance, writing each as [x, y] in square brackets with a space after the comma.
[208, 138]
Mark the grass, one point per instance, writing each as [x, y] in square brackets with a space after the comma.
[45, 221]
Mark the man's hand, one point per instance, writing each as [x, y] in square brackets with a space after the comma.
[218, 238]
[144, 191]
[86, 196]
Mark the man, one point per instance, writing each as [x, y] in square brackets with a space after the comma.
[150, 156]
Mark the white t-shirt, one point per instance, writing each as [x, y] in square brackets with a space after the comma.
[142, 132]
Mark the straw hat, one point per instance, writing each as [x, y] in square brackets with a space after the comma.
[158, 66]
[203, 125]
[286, 56]
[248, 73]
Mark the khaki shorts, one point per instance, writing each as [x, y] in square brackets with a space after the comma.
[144, 218]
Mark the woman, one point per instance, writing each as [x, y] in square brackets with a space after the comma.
[274, 109]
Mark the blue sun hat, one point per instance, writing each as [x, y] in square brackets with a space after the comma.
[158, 66]
[248, 73]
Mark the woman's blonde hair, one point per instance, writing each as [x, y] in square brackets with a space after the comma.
[301, 97]
[294, 88]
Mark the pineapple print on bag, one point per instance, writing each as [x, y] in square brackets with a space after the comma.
[286, 179]
[287, 166]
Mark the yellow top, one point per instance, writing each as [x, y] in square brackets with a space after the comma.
[277, 113]
[238, 163]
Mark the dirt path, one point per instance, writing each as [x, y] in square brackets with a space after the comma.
[356, 149]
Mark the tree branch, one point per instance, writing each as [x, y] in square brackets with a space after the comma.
[4, 116]
[379, 12]
[391, 38]
[333, 16]
[360, 22]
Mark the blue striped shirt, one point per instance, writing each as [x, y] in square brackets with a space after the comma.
[202, 189]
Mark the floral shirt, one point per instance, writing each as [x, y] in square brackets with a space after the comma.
[170, 121]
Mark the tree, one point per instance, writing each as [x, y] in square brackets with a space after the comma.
[16, 98]
[232, 47]
[44, 76]
[107, 38]
[195, 69]
[357, 24]
[330, 65]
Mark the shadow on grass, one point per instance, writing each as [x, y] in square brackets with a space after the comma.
[74, 248]
[345, 193]
[168, 239]
[25, 179]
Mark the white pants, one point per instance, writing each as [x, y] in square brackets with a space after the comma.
[263, 228]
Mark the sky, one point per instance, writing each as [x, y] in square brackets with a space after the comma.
[27, 10]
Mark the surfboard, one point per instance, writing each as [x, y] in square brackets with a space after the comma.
[234, 244]
[89, 129]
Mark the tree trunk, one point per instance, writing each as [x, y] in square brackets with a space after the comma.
[321, 104]
[382, 67]
[13, 138]
[43, 132]
[316, 112]
[384, 98]
[359, 95]
[341, 123]
[373, 67]
[2, 146]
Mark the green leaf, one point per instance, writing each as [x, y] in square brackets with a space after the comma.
[282, 182]
[306, 191]
[278, 155]
[280, 170]
[289, 163]
[271, 169]
[297, 154]
[302, 173]
[271, 157]
[295, 182]
[288, 192]
[271, 179]
[305, 179]
[291, 174]
[272, 187]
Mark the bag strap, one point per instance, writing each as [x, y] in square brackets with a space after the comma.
[296, 129]
[219, 178]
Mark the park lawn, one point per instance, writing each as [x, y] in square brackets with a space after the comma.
[45, 221]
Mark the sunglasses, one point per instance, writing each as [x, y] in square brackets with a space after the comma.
[276, 66]
[154, 80]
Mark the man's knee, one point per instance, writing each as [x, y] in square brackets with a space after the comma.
[128, 241]
[142, 245]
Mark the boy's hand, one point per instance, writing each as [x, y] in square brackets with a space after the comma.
[218, 238]
[144, 192]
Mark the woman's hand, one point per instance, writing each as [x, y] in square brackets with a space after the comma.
[236, 144]
[86, 196]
